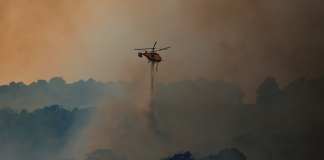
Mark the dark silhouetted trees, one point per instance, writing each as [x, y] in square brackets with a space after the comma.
[227, 154]
[41, 93]
[46, 130]
[284, 123]
[181, 156]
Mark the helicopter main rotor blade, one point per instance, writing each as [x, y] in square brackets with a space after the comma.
[155, 44]
[143, 48]
[166, 48]
[146, 48]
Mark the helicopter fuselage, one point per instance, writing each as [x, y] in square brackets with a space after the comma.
[155, 57]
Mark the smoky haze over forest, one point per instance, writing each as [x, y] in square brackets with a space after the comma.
[201, 116]
[232, 78]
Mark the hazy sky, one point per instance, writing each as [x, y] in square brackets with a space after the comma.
[239, 41]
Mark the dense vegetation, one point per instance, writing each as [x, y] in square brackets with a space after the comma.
[42, 93]
[284, 123]
[43, 131]
[227, 154]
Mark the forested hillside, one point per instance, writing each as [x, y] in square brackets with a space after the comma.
[203, 116]
[40, 133]
[42, 93]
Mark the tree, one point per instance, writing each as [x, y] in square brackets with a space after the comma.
[181, 156]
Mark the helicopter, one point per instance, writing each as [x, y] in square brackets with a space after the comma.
[152, 56]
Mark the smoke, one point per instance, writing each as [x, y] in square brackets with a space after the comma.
[129, 123]
[242, 42]
[41, 39]
[128, 119]
[201, 116]
[206, 117]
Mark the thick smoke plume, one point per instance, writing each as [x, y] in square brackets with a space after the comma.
[206, 117]
[201, 116]
[128, 116]
[242, 42]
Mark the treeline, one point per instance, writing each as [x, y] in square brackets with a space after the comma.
[44, 132]
[284, 123]
[30, 135]
[299, 91]
[42, 93]
[91, 93]
[227, 154]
